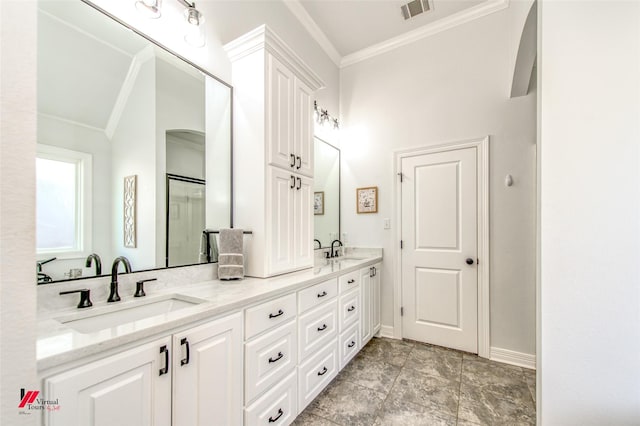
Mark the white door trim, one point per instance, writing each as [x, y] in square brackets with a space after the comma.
[482, 146]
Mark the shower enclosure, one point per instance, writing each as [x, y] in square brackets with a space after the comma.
[185, 219]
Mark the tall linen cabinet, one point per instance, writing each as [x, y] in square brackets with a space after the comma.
[273, 152]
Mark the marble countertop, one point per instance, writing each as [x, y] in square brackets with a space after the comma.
[58, 343]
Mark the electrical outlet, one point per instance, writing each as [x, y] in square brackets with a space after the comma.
[345, 238]
[387, 223]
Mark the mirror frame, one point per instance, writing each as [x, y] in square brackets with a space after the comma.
[208, 74]
[339, 191]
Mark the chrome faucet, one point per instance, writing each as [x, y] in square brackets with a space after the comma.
[334, 253]
[98, 262]
[113, 295]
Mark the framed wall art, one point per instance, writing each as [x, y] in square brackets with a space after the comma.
[318, 203]
[130, 211]
[367, 199]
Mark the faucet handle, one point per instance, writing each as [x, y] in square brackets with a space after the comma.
[85, 301]
[140, 287]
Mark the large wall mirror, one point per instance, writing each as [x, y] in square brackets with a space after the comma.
[134, 148]
[326, 200]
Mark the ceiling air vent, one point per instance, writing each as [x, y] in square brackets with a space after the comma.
[415, 7]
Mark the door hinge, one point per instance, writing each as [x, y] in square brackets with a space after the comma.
[477, 261]
[401, 245]
[401, 311]
[401, 178]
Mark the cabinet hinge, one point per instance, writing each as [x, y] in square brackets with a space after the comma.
[401, 178]
[401, 311]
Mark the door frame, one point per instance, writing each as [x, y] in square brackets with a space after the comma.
[482, 159]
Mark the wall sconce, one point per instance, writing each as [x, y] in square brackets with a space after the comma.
[149, 8]
[322, 116]
[194, 33]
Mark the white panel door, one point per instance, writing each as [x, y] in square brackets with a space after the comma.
[208, 374]
[280, 218]
[303, 128]
[303, 220]
[132, 388]
[280, 115]
[439, 233]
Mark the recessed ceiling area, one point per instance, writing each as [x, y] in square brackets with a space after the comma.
[355, 25]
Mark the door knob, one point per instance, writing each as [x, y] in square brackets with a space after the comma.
[469, 261]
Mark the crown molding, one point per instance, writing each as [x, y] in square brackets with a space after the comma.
[314, 30]
[451, 21]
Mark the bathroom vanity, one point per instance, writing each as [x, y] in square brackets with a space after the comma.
[256, 351]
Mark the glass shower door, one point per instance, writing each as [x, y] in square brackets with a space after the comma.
[185, 219]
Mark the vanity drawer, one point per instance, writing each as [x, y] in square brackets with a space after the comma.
[316, 328]
[269, 314]
[349, 281]
[269, 358]
[316, 373]
[348, 344]
[349, 308]
[277, 407]
[317, 294]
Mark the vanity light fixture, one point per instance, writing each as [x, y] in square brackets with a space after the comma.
[149, 8]
[194, 33]
[322, 116]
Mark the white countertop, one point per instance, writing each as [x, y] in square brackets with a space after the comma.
[58, 344]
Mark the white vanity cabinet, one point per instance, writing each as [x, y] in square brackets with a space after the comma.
[188, 378]
[273, 152]
[370, 301]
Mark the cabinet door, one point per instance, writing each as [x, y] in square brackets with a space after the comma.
[208, 374]
[303, 220]
[365, 311]
[375, 298]
[279, 115]
[303, 128]
[280, 220]
[130, 388]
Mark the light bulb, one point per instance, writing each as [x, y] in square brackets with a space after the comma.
[149, 8]
[194, 27]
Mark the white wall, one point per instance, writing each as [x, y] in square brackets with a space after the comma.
[590, 234]
[68, 135]
[448, 87]
[134, 153]
[17, 207]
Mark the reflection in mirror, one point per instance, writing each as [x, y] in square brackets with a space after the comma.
[326, 200]
[111, 104]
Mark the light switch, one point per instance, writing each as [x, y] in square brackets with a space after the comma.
[387, 223]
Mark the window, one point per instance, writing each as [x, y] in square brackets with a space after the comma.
[63, 201]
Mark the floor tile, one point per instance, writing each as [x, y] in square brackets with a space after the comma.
[391, 351]
[367, 372]
[507, 380]
[435, 361]
[308, 419]
[530, 378]
[434, 393]
[397, 412]
[487, 408]
[347, 404]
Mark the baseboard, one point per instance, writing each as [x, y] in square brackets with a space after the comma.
[387, 331]
[512, 357]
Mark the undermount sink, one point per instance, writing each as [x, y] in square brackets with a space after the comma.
[127, 313]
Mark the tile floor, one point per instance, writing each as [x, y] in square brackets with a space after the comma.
[392, 382]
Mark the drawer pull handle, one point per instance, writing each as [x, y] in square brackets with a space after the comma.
[351, 309]
[323, 328]
[352, 344]
[323, 294]
[322, 373]
[351, 281]
[280, 413]
[185, 360]
[293, 160]
[299, 162]
[278, 358]
[165, 351]
[280, 312]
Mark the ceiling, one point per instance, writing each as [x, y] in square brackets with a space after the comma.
[358, 24]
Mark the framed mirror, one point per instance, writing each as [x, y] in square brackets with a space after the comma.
[326, 199]
[134, 148]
